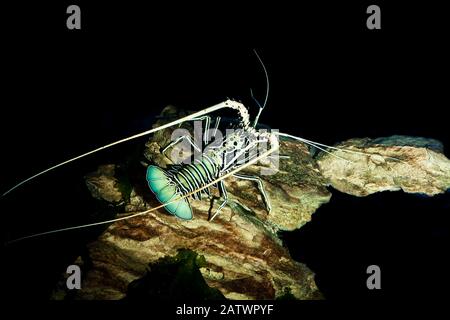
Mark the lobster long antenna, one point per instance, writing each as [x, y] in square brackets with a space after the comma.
[265, 154]
[317, 144]
[267, 89]
[221, 105]
[311, 144]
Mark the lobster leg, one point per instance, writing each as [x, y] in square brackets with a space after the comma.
[207, 120]
[260, 187]
[173, 143]
[216, 126]
[206, 136]
[224, 195]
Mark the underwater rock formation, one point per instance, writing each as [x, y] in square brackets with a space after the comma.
[411, 164]
[244, 258]
[177, 277]
[242, 255]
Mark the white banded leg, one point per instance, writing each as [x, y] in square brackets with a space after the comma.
[280, 156]
[224, 195]
[173, 143]
[260, 187]
[216, 126]
[207, 120]
[206, 136]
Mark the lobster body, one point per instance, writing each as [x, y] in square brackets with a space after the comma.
[187, 178]
[180, 180]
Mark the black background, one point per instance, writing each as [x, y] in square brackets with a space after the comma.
[66, 92]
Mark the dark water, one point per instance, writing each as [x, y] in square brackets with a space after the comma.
[70, 93]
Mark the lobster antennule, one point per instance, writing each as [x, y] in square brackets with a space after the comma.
[165, 191]
[261, 107]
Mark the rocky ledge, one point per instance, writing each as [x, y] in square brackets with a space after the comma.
[242, 256]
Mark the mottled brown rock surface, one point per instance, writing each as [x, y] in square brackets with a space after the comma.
[103, 184]
[411, 164]
[245, 259]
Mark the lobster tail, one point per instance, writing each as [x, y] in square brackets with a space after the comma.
[166, 192]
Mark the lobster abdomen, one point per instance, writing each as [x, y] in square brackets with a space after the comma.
[166, 191]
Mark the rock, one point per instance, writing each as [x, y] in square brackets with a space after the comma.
[176, 278]
[242, 255]
[295, 191]
[419, 142]
[411, 164]
[103, 185]
[244, 258]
